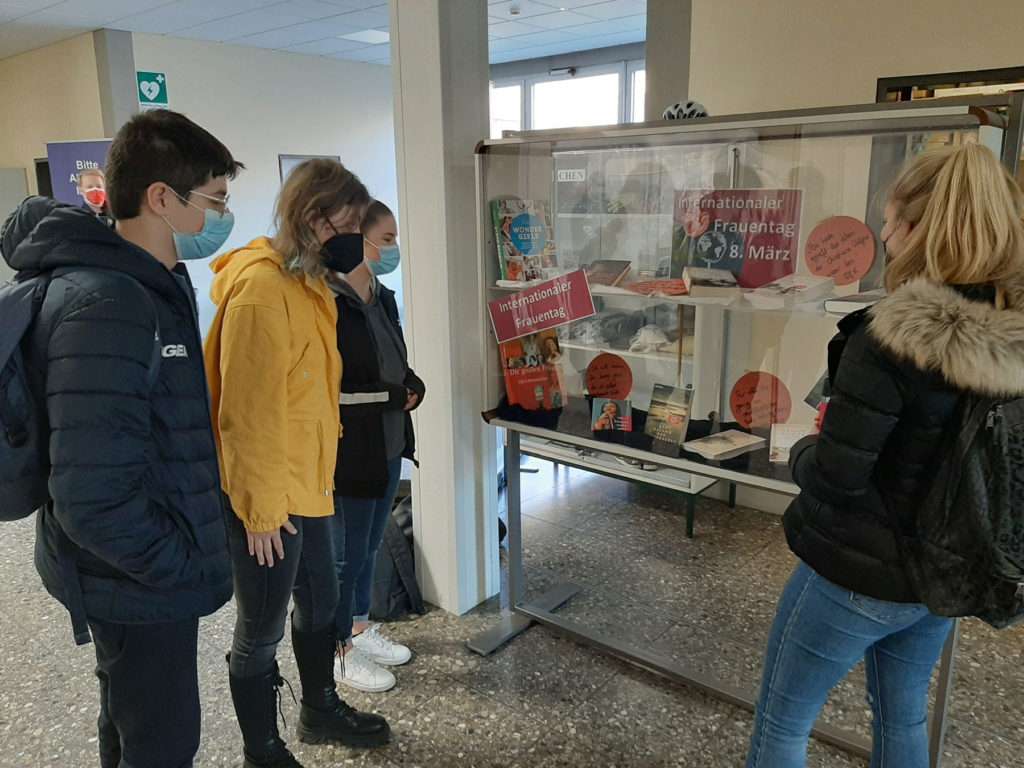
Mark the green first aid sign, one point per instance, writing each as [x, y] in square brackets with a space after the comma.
[152, 87]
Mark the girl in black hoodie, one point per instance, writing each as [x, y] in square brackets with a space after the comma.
[378, 392]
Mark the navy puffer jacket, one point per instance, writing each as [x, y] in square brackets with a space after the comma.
[135, 531]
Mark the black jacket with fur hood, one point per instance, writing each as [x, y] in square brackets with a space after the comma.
[896, 372]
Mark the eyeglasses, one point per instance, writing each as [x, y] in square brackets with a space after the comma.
[221, 201]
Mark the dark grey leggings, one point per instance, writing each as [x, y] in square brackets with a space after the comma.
[261, 594]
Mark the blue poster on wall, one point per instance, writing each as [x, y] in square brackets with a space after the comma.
[67, 160]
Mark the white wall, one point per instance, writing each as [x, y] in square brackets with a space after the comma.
[49, 94]
[754, 55]
[265, 103]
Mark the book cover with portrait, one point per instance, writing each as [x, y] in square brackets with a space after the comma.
[532, 366]
[523, 236]
[612, 415]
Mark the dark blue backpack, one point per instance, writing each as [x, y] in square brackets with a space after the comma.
[24, 433]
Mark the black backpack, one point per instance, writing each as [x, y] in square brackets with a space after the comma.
[965, 556]
[395, 592]
[24, 442]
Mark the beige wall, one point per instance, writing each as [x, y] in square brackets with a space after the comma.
[50, 94]
[755, 55]
[264, 103]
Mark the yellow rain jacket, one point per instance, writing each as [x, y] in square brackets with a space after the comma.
[275, 373]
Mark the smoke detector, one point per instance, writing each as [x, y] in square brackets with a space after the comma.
[514, 10]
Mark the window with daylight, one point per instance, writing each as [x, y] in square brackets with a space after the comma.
[506, 109]
[576, 101]
[638, 92]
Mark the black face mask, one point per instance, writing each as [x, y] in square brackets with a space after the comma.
[344, 252]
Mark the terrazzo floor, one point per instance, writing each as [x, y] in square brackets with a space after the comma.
[542, 700]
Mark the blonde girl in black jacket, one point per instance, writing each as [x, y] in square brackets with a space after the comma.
[953, 322]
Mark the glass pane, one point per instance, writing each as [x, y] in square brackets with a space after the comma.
[576, 101]
[639, 94]
[506, 109]
[786, 219]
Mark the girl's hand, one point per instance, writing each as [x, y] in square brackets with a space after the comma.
[262, 546]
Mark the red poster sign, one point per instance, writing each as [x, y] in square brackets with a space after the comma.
[546, 305]
[753, 233]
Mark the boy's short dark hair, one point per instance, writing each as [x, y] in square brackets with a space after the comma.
[166, 146]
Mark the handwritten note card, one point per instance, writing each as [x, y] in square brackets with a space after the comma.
[840, 247]
[609, 376]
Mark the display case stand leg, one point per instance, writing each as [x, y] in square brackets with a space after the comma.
[513, 622]
[691, 513]
[732, 496]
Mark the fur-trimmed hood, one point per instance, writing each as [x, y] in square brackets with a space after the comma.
[975, 346]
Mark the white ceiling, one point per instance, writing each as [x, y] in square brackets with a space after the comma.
[318, 27]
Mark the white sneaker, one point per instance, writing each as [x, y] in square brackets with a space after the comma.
[380, 649]
[357, 670]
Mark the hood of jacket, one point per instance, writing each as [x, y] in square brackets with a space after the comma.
[43, 234]
[230, 268]
[975, 346]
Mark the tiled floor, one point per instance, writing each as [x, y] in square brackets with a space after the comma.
[542, 700]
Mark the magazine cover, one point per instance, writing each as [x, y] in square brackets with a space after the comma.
[523, 235]
[533, 371]
[669, 414]
[612, 415]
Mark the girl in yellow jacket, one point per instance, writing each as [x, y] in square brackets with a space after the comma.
[274, 371]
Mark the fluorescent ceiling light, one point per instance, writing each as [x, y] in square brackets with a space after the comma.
[368, 36]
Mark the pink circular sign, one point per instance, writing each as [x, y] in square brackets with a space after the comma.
[760, 400]
[840, 247]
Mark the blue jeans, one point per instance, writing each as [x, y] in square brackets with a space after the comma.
[820, 632]
[358, 530]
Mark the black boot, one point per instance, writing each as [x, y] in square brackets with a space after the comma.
[324, 716]
[256, 707]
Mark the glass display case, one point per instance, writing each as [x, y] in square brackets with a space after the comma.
[660, 299]
[789, 206]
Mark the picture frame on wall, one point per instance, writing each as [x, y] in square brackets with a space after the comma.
[287, 163]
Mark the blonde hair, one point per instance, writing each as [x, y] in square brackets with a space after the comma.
[965, 211]
[317, 189]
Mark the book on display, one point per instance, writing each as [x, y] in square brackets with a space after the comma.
[611, 415]
[609, 272]
[669, 414]
[784, 437]
[725, 445]
[791, 290]
[526, 248]
[704, 283]
[533, 371]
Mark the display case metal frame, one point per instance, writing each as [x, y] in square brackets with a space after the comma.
[521, 614]
[1001, 113]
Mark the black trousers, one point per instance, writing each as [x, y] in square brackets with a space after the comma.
[149, 693]
[306, 575]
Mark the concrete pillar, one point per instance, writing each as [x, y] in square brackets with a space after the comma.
[115, 66]
[668, 55]
[440, 74]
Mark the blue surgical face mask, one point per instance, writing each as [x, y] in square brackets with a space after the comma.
[208, 240]
[390, 258]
